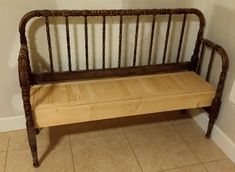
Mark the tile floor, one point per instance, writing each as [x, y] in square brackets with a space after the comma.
[166, 142]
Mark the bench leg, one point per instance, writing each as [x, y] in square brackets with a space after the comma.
[31, 130]
[32, 143]
[214, 111]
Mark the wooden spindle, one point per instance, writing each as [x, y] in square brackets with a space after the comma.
[136, 40]
[181, 38]
[151, 40]
[200, 60]
[86, 42]
[210, 65]
[68, 42]
[103, 43]
[49, 44]
[120, 42]
[167, 38]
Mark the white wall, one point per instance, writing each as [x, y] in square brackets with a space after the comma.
[10, 14]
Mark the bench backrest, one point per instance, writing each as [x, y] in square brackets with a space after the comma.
[134, 69]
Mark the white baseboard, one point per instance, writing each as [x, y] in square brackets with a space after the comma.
[218, 136]
[12, 123]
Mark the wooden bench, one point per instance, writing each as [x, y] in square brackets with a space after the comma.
[79, 95]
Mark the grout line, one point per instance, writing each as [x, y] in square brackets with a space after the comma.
[132, 150]
[222, 159]
[205, 167]
[171, 125]
[186, 143]
[71, 151]
[152, 127]
[6, 156]
[102, 135]
[194, 165]
[199, 163]
[202, 162]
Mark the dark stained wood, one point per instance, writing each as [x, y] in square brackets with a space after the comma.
[167, 38]
[195, 56]
[124, 71]
[216, 103]
[120, 42]
[86, 42]
[136, 39]
[49, 43]
[103, 43]
[24, 77]
[151, 40]
[127, 12]
[181, 38]
[200, 59]
[68, 42]
[210, 65]
[134, 12]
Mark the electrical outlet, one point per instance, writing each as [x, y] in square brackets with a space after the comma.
[232, 94]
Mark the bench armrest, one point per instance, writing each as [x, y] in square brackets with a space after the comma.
[24, 67]
[225, 64]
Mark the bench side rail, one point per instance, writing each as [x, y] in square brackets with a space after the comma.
[135, 69]
[213, 110]
[215, 48]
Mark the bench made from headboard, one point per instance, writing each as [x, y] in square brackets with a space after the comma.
[77, 95]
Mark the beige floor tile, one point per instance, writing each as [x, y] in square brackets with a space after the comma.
[93, 129]
[47, 136]
[160, 149]
[196, 168]
[2, 161]
[220, 166]
[144, 121]
[179, 118]
[100, 154]
[205, 149]
[4, 137]
[53, 159]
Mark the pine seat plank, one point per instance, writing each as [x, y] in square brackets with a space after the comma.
[80, 101]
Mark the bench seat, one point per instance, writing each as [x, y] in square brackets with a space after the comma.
[80, 101]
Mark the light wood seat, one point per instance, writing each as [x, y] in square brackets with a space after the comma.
[80, 101]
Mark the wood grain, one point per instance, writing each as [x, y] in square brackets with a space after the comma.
[79, 101]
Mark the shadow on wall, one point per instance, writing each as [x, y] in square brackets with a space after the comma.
[221, 30]
[10, 38]
[38, 62]
[10, 15]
